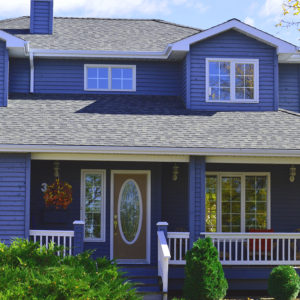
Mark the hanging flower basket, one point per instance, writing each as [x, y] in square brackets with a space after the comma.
[58, 195]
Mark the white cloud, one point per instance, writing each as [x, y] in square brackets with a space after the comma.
[249, 21]
[272, 8]
[103, 8]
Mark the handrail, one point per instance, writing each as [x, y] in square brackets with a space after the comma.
[163, 258]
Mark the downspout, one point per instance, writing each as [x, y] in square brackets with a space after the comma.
[31, 72]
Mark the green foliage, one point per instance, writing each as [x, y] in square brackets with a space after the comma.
[205, 278]
[284, 283]
[28, 271]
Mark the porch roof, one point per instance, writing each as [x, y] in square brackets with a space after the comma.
[141, 121]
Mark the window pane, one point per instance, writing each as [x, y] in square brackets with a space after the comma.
[231, 203]
[116, 84]
[239, 69]
[249, 81]
[211, 203]
[92, 83]
[256, 202]
[249, 93]
[102, 72]
[225, 94]
[214, 94]
[93, 205]
[214, 68]
[92, 72]
[249, 69]
[127, 84]
[225, 81]
[116, 73]
[127, 73]
[214, 81]
[225, 68]
[239, 93]
[103, 84]
[239, 81]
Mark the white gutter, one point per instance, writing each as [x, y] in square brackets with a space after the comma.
[149, 150]
[101, 54]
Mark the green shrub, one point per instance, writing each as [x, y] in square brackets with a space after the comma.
[204, 276]
[30, 272]
[284, 283]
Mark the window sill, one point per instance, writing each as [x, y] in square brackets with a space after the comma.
[233, 101]
[100, 90]
[94, 240]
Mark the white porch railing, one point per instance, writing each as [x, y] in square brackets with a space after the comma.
[163, 259]
[178, 243]
[59, 237]
[257, 248]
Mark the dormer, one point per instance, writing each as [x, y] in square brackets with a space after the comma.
[41, 17]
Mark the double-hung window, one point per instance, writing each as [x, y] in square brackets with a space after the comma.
[232, 80]
[110, 78]
[237, 202]
[93, 204]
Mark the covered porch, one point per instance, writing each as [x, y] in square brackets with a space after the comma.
[248, 206]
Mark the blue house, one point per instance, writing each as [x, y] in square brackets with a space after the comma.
[166, 134]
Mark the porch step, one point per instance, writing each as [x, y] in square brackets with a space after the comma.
[145, 280]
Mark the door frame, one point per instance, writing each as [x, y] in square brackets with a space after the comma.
[148, 215]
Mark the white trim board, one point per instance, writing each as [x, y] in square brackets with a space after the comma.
[252, 160]
[12, 41]
[282, 46]
[110, 157]
[148, 229]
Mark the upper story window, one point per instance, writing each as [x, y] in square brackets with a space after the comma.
[110, 78]
[232, 80]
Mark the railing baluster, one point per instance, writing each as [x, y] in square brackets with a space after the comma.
[272, 245]
[266, 249]
[248, 255]
[289, 249]
[230, 250]
[259, 249]
[277, 251]
[236, 250]
[295, 249]
[180, 249]
[283, 249]
[224, 245]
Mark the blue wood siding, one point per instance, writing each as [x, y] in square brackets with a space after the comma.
[3, 74]
[19, 75]
[67, 76]
[41, 17]
[71, 172]
[289, 86]
[196, 197]
[232, 44]
[14, 196]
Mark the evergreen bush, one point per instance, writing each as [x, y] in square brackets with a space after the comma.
[28, 271]
[204, 275]
[284, 283]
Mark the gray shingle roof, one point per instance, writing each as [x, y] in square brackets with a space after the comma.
[101, 34]
[141, 121]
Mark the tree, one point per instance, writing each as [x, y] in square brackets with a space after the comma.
[291, 14]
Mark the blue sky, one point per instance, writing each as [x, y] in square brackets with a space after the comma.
[263, 14]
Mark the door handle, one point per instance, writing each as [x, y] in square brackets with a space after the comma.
[115, 223]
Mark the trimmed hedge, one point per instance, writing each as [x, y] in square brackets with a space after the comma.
[205, 278]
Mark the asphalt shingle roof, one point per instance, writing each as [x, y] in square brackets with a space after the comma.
[101, 34]
[141, 121]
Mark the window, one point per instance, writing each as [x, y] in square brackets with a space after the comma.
[93, 204]
[110, 78]
[237, 202]
[232, 80]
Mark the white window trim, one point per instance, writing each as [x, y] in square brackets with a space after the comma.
[84, 172]
[132, 67]
[232, 79]
[243, 195]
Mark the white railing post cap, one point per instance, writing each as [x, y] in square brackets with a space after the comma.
[78, 223]
[162, 224]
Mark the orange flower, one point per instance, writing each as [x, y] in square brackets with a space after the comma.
[58, 195]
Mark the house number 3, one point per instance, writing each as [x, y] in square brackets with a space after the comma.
[44, 187]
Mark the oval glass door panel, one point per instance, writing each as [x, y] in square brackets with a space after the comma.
[130, 212]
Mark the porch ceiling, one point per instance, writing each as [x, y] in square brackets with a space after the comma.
[141, 121]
